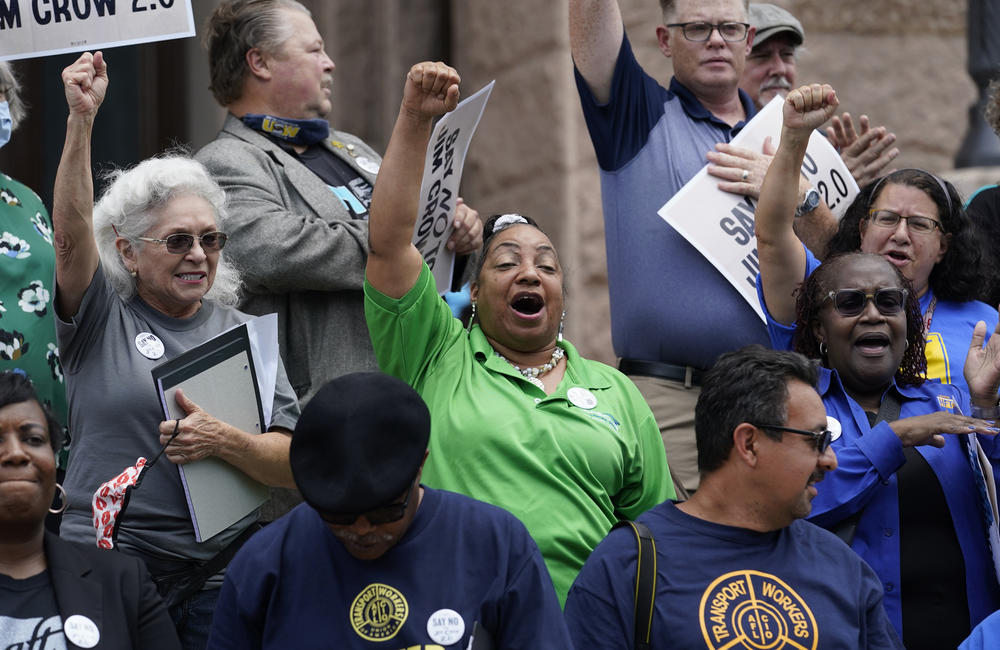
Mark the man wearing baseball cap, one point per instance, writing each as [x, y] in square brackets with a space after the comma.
[770, 67]
[770, 72]
[375, 559]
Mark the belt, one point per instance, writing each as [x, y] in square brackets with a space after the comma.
[690, 376]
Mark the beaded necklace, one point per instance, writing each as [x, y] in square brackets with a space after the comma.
[533, 374]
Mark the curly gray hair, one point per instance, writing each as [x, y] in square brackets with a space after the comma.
[130, 205]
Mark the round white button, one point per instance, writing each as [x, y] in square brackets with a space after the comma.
[149, 345]
[833, 424]
[81, 631]
[445, 626]
[581, 397]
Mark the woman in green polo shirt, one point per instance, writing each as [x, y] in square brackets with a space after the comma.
[519, 419]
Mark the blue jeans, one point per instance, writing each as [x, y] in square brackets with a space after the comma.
[193, 619]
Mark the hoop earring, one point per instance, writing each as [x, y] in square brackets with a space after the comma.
[562, 321]
[823, 349]
[472, 318]
[63, 498]
[906, 344]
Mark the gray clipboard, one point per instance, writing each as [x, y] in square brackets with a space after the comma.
[218, 375]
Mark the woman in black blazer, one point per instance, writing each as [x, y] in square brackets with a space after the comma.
[51, 588]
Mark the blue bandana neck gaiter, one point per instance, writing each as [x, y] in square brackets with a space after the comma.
[301, 132]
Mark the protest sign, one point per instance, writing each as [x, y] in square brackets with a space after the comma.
[721, 225]
[439, 187]
[30, 28]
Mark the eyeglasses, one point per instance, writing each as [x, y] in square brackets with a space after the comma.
[917, 225]
[821, 439]
[181, 242]
[375, 516]
[851, 302]
[700, 31]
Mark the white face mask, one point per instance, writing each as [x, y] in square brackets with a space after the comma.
[6, 123]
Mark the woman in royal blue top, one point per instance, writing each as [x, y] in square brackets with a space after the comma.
[905, 495]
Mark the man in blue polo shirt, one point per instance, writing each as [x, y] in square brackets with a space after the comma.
[672, 312]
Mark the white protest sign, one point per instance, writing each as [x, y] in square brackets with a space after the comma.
[720, 224]
[30, 28]
[439, 188]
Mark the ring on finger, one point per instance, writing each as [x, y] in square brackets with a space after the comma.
[746, 175]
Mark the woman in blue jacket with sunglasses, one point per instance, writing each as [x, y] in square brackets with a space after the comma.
[909, 492]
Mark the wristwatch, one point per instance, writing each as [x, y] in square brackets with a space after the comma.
[985, 413]
[809, 203]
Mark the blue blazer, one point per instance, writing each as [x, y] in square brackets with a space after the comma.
[114, 591]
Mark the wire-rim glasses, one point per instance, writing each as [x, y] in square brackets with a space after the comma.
[918, 225]
[181, 242]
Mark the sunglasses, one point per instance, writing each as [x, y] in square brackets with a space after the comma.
[375, 516]
[851, 302]
[821, 439]
[181, 242]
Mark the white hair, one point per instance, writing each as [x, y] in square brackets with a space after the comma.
[130, 204]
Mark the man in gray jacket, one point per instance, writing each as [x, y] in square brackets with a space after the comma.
[298, 190]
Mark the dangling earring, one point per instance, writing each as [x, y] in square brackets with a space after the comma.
[472, 317]
[562, 321]
[133, 273]
[63, 498]
[822, 349]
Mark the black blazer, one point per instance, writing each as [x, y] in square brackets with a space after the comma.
[114, 591]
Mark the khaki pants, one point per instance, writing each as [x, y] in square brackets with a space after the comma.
[673, 406]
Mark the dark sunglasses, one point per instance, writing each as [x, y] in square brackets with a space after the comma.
[821, 439]
[181, 242]
[375, 516]
[851, 302]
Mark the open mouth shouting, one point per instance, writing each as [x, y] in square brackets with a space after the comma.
[873, 344]
[528, 305]
[897, 258]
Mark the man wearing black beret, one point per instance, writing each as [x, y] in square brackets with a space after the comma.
[373, 559]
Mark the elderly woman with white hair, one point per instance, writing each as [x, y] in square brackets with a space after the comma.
[140, 278]
[27, 260]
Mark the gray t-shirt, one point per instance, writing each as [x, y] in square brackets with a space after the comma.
[114, 417]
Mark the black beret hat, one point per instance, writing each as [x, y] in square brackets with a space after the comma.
[359, 443]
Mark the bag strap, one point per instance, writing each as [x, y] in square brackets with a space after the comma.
[194, 580]
[645, 582]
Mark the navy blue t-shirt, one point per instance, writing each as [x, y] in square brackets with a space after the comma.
[460, 562]
[724, 587]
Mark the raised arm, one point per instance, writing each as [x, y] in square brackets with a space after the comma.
[595, 36]
[84, 82]
[394, 263]
[782, 258]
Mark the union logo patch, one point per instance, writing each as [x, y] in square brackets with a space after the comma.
[378, 612]
[755, 611]
[946, 402]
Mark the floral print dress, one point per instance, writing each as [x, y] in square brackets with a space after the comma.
[27, 289]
